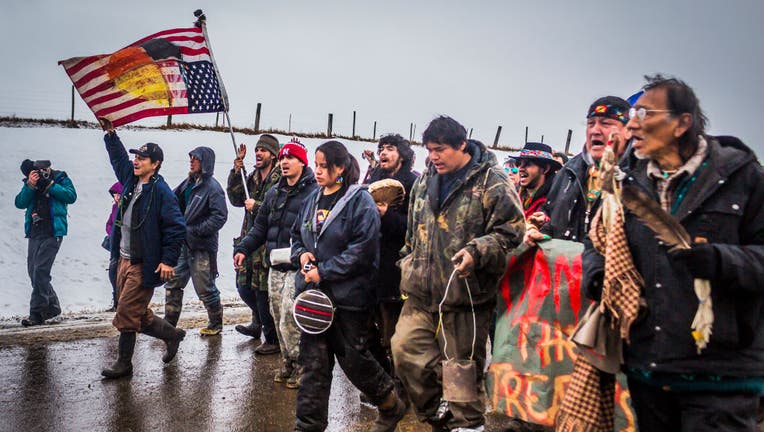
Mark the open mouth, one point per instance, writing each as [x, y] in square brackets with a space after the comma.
[597, 143]
[383, 160]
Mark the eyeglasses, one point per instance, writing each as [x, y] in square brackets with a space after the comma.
[512, 170]
[641, 113]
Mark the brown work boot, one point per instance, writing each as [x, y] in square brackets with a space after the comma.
[294, 380]
[287, 368]
[391, 411]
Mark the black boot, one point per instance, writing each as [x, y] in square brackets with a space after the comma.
[173, 303]
[171, 336]
[253, 330]
[391, 411]
[124, 364]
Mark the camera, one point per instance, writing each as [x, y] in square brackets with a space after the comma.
[308, 266]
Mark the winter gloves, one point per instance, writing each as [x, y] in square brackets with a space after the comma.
[701, 260]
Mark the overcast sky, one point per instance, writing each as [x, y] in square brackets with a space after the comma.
[489, 63]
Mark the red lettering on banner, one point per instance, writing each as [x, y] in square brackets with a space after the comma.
[573, 277]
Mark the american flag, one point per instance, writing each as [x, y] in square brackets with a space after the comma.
[170, 72]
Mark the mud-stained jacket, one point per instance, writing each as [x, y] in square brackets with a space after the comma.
[482, 212]
[254, 270]
[726, 207]
[206, 211]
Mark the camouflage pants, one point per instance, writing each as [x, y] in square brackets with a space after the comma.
[418, 352]
[281, 294]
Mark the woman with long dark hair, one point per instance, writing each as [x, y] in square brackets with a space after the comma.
[337, 235]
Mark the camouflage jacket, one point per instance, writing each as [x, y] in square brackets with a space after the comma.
[482, 213]
[255, 270]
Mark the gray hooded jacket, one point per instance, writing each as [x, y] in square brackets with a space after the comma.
[204, 208]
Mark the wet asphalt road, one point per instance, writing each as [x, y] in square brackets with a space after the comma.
[215, 384]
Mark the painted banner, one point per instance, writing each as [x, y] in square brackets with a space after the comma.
[170, 72]
[540, 303]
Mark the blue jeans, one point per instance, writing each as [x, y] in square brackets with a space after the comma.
[40, 256]
[194, 265]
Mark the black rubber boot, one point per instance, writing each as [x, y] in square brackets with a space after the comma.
[171, 336]
[124, 364]
[173, 303]
[253, 330]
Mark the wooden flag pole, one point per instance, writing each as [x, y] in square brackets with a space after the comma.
[201, 22]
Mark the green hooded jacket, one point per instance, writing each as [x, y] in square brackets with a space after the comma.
[481, 213]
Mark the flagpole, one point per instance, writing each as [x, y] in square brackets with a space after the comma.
[201, 21]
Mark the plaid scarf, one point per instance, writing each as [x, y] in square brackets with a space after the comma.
[589, 404]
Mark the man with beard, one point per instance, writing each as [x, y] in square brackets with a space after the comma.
[536, 170]
[395, 160]
[252, 276]
[272, 228]
[202, 202]
[574, 196]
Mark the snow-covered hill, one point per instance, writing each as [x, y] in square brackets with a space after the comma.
[79, 274]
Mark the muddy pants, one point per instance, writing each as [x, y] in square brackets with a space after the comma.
[281, 295]
[133, 313]
[41, 253]
[347, 340]
[418, 351]
[196, 266]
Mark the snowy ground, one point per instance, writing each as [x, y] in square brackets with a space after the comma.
[79, 274]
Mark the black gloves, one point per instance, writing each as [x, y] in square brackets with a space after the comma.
[701, 260]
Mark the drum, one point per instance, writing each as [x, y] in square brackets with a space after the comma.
[313, 311]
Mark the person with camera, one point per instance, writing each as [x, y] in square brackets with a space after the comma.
[148, 233]
[45, 195]
[272, 228]
[335, 239]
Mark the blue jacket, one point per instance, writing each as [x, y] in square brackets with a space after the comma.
[61, 192]
[162, 228]
[206, 211]
[347, 249]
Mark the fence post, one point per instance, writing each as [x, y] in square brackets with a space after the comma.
[374, 135]
[526, 134]
[257, 118]
[329, 126]
[353, 135]
[411, 131]
[567, 141]
[542, 138]
[496, 140]
[470, 135]
[290, 123]
[414, 133]
[217, 118]
[169, 120]
[72, 117]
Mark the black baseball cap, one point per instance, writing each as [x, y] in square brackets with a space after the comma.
[151, 151]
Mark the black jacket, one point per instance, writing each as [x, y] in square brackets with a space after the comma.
[206, 211]
[566, 202]
[162, 229]
[347, 249]
[277, 214]
[392, 236]
[726, 206]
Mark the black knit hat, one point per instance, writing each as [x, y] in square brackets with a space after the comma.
[610, 107]
[270, 143]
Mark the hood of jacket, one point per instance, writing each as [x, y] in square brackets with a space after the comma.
[115, 188]
[207, 158]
